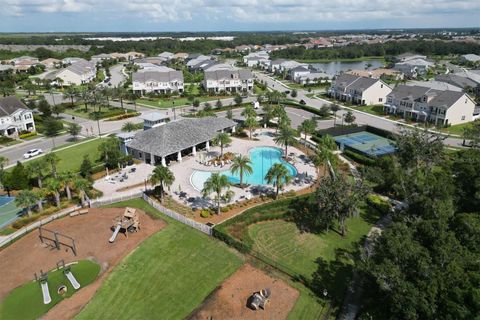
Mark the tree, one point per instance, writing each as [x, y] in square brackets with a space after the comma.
[286, 137]
[110, 150]
[324, 154]
[3, 161]
[349, 118]
[52, 160]
[472, 133]
[129, 126]
[293, 93]
[163, 177]
[71, 93]
[82, 185]
[217, 183]
[52, 128]
[120, 93]
[241, 165]
[230, 114]
[40, 195]
[308, 126]
[268, 114]
[218, 104]
[44, 108]
[57, 109]
[250, 123]
[222, 139]
[26, 199]
[86, 168]
[196, 103]
[36, 169]
[52, 186]
[67, 180]
[334, 108]
[74, 130]
[19, 177]
[279, 176]
[238, 99]
[249, 111]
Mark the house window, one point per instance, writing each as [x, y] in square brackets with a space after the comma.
[380, 99]
[381, 86]
[463, 117]
[140, 155]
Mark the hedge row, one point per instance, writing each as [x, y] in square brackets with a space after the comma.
[27, 135]
[382, 205]
[123, 116]
[360, 158]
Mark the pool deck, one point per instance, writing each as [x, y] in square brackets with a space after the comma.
[184, 170]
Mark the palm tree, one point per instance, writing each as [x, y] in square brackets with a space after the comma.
[163, 177]
[285, 138]
[324, 154]
[40, 194]
[249, 111]
[241, 164]
[278, 175]
[216, 184]
[129, 126]
[67, 179]
[52, 186]
[250, 123]
[36, 169]
[26, 199]
[222, 139]
[52, 159]
[120, 93]
[81, 185]
[108, 145]
[307, 127]
[334, 108]
[70, 93]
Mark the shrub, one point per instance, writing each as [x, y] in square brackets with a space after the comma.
[379, 203]
[224, 209]
[205, 213]
[360, 158]
[27, 135]
[124, 116]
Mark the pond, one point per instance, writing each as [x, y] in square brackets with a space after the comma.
[335, 67]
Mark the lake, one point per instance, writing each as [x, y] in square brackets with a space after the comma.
[335, 67]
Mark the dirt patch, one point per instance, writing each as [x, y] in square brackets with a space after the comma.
[230, 300]
[91, 232]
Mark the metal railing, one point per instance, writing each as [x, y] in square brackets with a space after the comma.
[98, 203]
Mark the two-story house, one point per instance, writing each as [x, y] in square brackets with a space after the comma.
[159, 80]
[14, 117]
[79, 72]
[359, 90]
[228, 80]
[441, 107]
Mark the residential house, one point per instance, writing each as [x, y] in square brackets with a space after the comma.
[51, 63]
[378, 73]
[414, 67]
[433, 84]
[441, 107]
[70, 60]
[198, 60]
[404, 57]
[78, 73]
[313, 77]
[297, 72]
[359, 90]
[256, 58]
[228, 80]
[23, 63]
[158, 80]
[148, 61]
[470, 58]
[166, 56]
[282, 65]
[180, 56]
[14, 117]
[101, 57]
[132, 55]
[242, 49]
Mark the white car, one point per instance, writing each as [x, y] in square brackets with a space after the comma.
[32, 153]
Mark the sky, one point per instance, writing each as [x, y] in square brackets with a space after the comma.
[233, 15]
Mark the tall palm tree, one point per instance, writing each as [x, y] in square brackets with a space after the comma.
[217, 183]
[70, 93]
[307, 127]
[67, 179]
[52, 159]
[85, 95]
[163, 177]
[267, 114]
[36, 169]
[26, 199]
[129, 126]
[81, 186]
[107, 146]
[222, 139]
[241, 164]
[250, 123]
[120, 93]
[249, 111]
[324, 155]
[285, 138]
[40, 194]
[279, 176]
[52, 186]
[334, 108]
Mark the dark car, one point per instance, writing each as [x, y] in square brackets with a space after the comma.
[302, 102]
[287, 91]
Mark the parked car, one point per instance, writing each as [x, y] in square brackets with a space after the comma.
[287, 91]
[303, 102]
[32, 153]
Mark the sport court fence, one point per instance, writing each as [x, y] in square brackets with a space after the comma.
[172, 214]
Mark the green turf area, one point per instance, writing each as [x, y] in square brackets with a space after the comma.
[457, 129]
[8, 213]
[376, 110]
[165, 103]
[26, 302]
[105, 112]
[166, 277]
[72, 157]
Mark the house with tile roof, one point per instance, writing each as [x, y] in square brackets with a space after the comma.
[14, 117]
[441, 107]
[359, 90]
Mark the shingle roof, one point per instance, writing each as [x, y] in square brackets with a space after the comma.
[178, 135]
[9, 105]
[299, 69]
[404, 92]
[81, 67]
[157, 75]
[241, 74]
[445, 98]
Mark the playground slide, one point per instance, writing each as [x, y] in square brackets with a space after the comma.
[46, 294]
[72, 280]
[114, 235]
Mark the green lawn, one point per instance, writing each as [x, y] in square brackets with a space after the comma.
[106, 112]
[72, 157]
[165, 103]
[376, 110]
[166, 277]
[457, 129]
[26, 302]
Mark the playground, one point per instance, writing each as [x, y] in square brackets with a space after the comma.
[231, 299]
[82, 237]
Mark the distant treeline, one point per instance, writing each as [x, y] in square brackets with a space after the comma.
[391, 48]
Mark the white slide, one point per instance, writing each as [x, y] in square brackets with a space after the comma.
[114, 235]
[73, 280]
[46, 294]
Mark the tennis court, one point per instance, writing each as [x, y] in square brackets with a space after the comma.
[367, 143]
[8, 211]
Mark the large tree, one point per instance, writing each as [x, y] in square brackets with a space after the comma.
[36, 169]
[286, 137]
[26, 199]
[307, 127]
[52, 186]
[217, 183]
[241, 165]
[52, 160]
[74, 130]
[163, 177]
[279, 176]
[250, 123]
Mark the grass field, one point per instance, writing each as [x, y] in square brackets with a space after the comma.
[106, 112]
[376, 110]
[72, 157]
[457, 129]
[26, 302]
[165, 103]
[166, 277]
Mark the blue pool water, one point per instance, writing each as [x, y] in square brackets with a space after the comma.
[263, 158]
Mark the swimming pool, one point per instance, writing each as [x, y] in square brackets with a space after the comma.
[263, 158]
